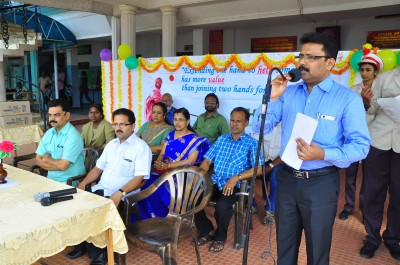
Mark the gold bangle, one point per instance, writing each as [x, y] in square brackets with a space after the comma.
[239, 176]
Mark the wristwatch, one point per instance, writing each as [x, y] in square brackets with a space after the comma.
[123, 192]
[271, 165]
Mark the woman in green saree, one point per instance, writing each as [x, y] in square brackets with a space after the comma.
[155, 131]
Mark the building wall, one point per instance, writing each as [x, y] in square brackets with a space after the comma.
[237, 39]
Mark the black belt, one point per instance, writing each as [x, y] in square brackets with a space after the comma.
[306, 174]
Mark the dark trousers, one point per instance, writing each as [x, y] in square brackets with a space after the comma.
[223, 214]
[382, 175]
[309, 205]
[350, 186]
[92, 250]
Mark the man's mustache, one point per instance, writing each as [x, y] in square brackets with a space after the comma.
[302, 67]
[119, 131]
[53, 121]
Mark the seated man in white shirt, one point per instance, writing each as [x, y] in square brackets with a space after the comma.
[123, 165]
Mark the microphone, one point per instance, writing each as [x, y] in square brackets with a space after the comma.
[295, 74]
[40, 195]
[47, 201]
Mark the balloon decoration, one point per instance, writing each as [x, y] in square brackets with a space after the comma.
[389, 59]
[124, 51]
[355, 59]
[105, 55]
[398, 57]
[131, 62]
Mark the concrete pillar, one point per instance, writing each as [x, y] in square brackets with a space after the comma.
[115, 36]
[229, 41]
[33, 58]
[198, 41]
[128, 26]
[168, 31]
[55, 66]
[73, 74]
[26, 72]
[3, 97]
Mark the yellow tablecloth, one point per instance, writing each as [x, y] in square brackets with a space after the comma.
[22, 135]
[29, 231]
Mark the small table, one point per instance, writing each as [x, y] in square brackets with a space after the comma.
[30, 231]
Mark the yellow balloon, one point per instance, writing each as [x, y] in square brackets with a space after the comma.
[124, 51]
[389, 59]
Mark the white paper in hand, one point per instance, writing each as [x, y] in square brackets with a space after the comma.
[304, 128]
[391, 106]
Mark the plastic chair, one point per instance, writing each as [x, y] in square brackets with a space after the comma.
[90, 157]
[190, 190]
[239, 214]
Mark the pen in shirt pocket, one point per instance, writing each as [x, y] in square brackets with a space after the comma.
[325, 117]
[126, 159]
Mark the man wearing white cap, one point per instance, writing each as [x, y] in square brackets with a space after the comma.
[382, 169]
[369, 68]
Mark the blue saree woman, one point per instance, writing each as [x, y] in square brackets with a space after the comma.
[182, 147]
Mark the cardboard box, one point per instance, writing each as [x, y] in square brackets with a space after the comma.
[16, 120]
[14, 107]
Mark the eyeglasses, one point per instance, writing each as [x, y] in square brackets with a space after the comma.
[179, 120]
[310, 57]
[210, 103]
[122, 125]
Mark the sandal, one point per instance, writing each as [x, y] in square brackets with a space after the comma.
[217, 246]
[204, 240]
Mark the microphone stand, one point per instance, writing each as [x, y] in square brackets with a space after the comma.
[265, 102]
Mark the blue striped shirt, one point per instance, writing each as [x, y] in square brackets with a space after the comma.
[232, 157]
[344, 136]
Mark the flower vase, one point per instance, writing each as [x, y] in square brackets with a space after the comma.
[3, 174]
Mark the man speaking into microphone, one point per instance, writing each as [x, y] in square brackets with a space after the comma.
[60, 151]
[307, 198]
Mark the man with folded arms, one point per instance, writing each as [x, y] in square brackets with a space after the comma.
[60, 151]
[123, 165]
[307, 198]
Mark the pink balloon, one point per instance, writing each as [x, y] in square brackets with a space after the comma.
[105, 55]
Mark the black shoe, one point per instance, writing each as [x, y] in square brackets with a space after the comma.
[99, 260]
[77, 253]
[394, 250]
[368, 250]
[344, 215]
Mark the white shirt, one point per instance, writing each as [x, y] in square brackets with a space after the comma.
[385, 132]
[272, 143]
[121, 162]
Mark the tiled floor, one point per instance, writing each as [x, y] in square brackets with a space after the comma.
[347, 240]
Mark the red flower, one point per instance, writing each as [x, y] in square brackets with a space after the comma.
[6, 146]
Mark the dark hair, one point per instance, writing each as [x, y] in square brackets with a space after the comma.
[84, 73]
[99, 107]
[241, 109]
[164, 108]
[214, 96]
[329, 44]
[60, 103]
[185, 114]
[126, 112]
[373, 65]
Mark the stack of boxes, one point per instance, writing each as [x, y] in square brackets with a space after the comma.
[15, 114]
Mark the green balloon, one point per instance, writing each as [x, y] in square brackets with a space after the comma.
[398, 58]
[131, 62]
[355, 59]
[389, 59]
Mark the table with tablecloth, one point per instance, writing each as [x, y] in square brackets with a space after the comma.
[30, 231]
[22, 135]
